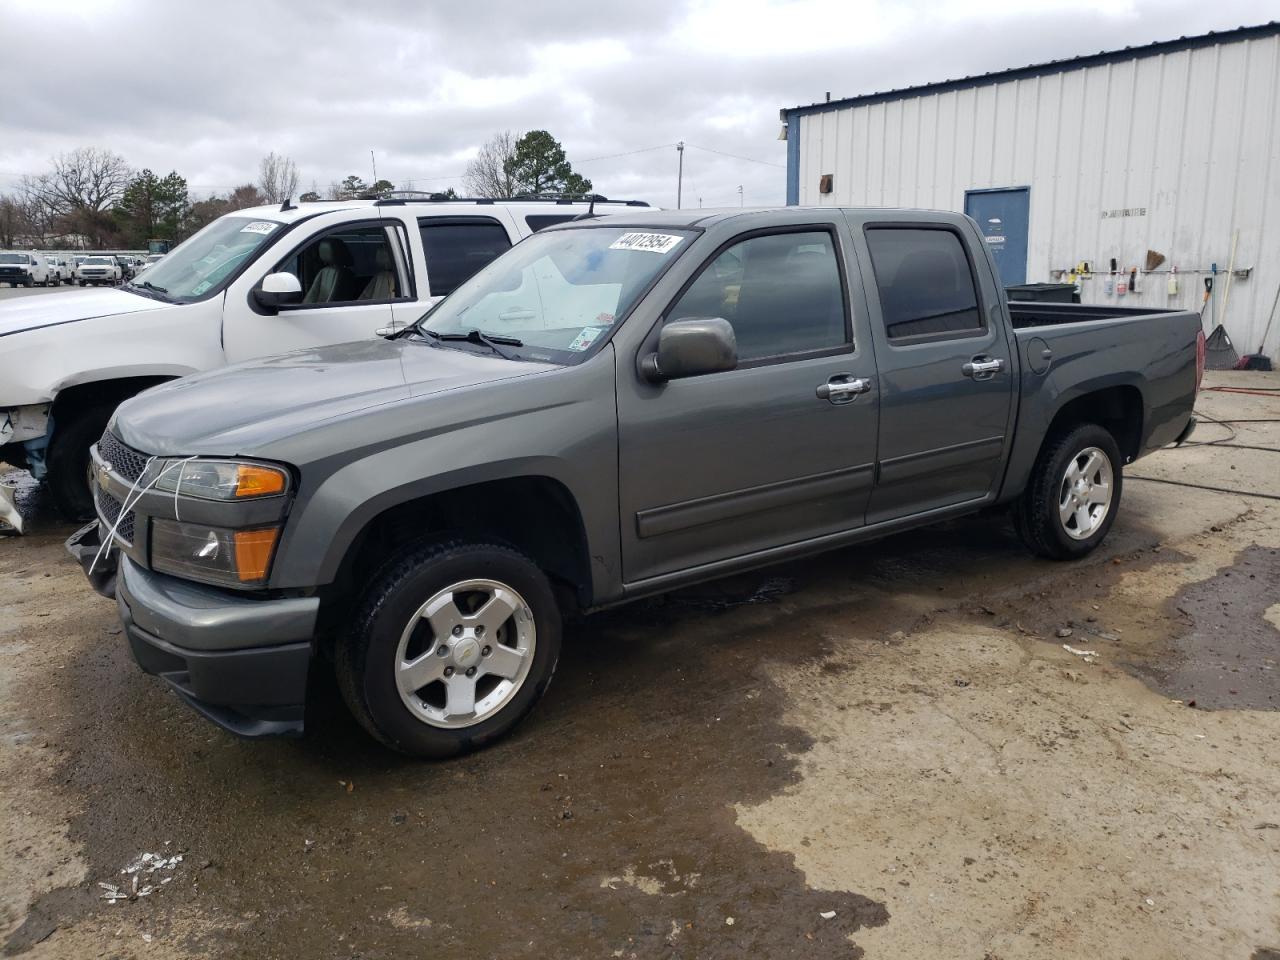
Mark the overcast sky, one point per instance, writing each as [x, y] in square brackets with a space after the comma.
[206, 88]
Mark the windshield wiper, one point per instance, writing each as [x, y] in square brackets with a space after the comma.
[479, 337]
[148, 285]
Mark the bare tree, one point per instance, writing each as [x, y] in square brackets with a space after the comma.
[38, 200]
[87, 179]
[491, 173]
[277, 177]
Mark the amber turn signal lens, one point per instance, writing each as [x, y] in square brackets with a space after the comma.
[255, 481]
[253, 553]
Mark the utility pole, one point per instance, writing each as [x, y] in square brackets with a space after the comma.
[373, 161]
[739, 194]
[679, 173]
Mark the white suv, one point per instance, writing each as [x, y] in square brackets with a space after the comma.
[253, 283]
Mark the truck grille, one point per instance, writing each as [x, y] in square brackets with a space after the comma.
[125, 461]
[109, 511]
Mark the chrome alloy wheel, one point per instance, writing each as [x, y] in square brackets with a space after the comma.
[465, 653]
[1084, 498]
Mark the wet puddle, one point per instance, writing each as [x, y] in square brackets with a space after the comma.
[1228, 655]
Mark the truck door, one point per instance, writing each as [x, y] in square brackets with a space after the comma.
[776, 451]
[946, 387]
[354, 276]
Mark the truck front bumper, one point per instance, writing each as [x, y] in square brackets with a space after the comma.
[241, 662]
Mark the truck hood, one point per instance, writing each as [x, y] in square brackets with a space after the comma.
[239, 409]
[31, 313]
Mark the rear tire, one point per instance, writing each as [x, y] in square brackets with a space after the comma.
[69, 460]
[440, 610]
[1073, 495]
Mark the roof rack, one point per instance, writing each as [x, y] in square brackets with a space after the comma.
[401, 197]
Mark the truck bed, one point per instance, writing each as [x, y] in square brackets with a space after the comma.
[1029, 314]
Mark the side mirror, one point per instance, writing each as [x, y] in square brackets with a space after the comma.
[690, 347]
[278, 290]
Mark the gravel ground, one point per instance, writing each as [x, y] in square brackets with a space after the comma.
[887, 751]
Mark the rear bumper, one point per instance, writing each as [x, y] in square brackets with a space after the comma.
[242, 663]
[1189, 429]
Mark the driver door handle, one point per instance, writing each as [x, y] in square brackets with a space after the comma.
[842, 388]
[982, 367]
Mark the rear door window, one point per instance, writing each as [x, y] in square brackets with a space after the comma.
[457, 249]
[926, 284]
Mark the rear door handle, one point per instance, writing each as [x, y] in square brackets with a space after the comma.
[843, 388]
[983, 368]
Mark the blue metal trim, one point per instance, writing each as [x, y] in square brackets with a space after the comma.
[793, 159]
[1045, 69]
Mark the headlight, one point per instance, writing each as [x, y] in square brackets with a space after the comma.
[221, 479]
[213, 554]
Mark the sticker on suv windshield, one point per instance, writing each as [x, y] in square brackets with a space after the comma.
[259, 226]
[652, 242]
[585, 338]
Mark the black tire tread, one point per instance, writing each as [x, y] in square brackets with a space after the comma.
[349, 651]
[1034, 511]
[67, 479]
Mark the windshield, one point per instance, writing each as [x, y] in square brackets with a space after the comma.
[98, 261]
[561, 291]
[200, 266]
[13, 258]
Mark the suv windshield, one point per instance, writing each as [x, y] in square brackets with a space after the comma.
[558, 292]
[98, 261]
[201, 265]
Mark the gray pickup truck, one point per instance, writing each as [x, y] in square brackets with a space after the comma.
[613, 408]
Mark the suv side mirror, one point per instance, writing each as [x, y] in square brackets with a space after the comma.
[278, 290]
[690, 347]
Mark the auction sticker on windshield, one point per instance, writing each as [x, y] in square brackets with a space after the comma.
[259, 226]
[652, 242]
[585, 338]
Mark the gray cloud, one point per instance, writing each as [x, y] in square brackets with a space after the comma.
[208, 89]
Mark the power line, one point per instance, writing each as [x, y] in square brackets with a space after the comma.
[767, 163]
[614, 156]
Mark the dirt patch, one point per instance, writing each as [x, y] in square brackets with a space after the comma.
[605, 825]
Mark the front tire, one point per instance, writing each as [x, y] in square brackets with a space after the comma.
[69, 460]
[453, 645]
[1073, 495]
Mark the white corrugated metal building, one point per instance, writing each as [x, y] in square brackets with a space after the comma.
[1172, 147]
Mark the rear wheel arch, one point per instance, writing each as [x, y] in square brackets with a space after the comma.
[1120, 409]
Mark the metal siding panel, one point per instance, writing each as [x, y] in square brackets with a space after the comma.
[858, 156]
[875, 155]
[907, 180]
[926, 191]
[966, 129]
[894, 121]
[1004, 134]
[984, 133]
